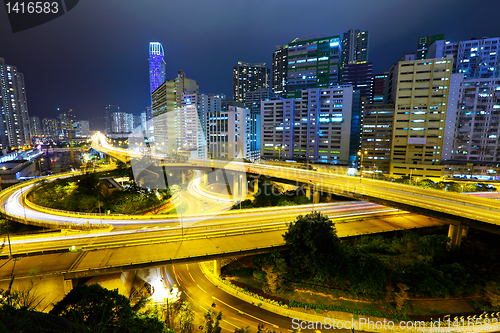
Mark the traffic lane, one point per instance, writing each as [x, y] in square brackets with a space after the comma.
[204, 294]
[232, 306]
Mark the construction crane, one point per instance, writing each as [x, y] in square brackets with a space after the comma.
[69, 127]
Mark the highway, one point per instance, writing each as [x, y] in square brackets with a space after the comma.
[471, 207]
[201, 293]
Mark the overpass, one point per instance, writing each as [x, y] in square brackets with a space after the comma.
[477, 212]
[77, 254]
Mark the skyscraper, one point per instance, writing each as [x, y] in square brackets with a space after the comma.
[14, 118]
[280, 70]
[355, 47]
[35, 126]
[156, 66]
[313, 62]
[110, 109]
[249, 77]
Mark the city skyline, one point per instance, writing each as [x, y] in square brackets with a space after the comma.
[112, 66]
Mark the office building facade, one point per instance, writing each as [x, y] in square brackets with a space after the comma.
[376, 136]
[156, 66]
[122, 122]
[424, 44]
[249, 77]
[233, 134]
[314, 128]
[355, 47]
[379, 90]
[475, 58]
[422, 90]
[253, 98]
[313, 63]
[473, 121]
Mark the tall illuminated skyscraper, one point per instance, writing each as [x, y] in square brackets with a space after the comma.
[14, 118]
[156, 66]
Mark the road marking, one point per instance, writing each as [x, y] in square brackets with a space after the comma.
[185, 292]
[239, 311]
[224, 320]
[201, 306]
[201, 288]
[191, 275]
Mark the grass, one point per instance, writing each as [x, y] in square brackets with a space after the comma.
[438, 307]
[314, 298]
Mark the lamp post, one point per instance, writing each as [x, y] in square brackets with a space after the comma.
[280, 148]
[361, 163]
[8, 232]
[40, 167]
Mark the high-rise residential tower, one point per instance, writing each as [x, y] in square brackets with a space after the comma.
[249, 77]
[14, 118]
[110, 109]
[35, 126]
[280, 70]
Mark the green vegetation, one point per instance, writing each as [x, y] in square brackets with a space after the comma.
[85, 194]
[270, 195]
[84, 309]
[450, 186]
[97, 307]
[387, 271]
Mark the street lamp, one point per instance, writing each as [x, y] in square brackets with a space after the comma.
[411, 170]
[361, 163]
[40, 166]
[280, 148]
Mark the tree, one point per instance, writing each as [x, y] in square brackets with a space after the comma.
[212, 322]
[314, 247]
[87, 184]
[185, 316]
[94, 306]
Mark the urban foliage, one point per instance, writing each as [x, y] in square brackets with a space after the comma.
[387, 270]
[85, 194]
[449, 186]
[97, 307]
[270, 195]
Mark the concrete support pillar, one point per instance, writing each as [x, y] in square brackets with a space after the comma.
[308, 192]
[255, 185]
[236, 181]
[217, 270]
[183, 175]
[68, 286]
[204, 177]
[455, 235]
[315, 197]
[465, 231]
[217, 176]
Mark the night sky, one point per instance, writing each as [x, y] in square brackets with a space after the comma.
[97, 53]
